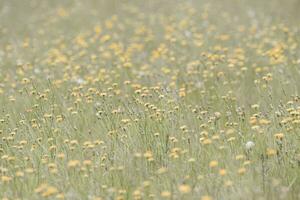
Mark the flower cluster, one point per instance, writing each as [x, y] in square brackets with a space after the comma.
[148, 100]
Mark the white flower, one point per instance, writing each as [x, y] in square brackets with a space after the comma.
[80, 81]
[37, 70]
[250, 145]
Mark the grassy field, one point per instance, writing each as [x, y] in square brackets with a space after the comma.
[169, 99]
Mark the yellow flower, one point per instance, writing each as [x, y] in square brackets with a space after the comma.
[279, 136]
[228, 183]
[182, 92]
[87, 162]
[162, 170]
[213, 164]
[61, 155]
[73, 163]
[222, 172]
[50, 190]
[231, 139]
[184, 189]
[6, 179]
[40, 188]
[271, 152]
[165, 194]
[206, 197]
[207, 141]
[242, 170]
[19, 174]
[240, 157]
[60, 196]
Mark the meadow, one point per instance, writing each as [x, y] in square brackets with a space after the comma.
[160, 99]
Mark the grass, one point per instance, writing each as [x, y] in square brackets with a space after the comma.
[149, 99]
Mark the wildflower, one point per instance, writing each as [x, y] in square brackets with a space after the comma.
[41, 188]
[271, 152]
[249, 145]
[162, 170]
[6, 179]
[247, 162]
[73, 163]
[206, 141]
[206, 197]
[165, 194]
[50, 190]
[182, 92]
[241, 170]
[60, 196]
[279, 136]
[137, 194]
[217, 115]
[228, 183]
[87, 162]
[61, 155]
[19, 174]
[213, 164]
[222, 172]
[184, 189]
[231, 139]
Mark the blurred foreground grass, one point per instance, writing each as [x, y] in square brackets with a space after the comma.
[149, 99]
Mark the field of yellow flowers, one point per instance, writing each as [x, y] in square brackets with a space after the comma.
[160, 99]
